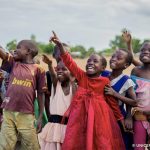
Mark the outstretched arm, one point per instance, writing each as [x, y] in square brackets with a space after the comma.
[51, 70]
[67, 59]
[128, 40]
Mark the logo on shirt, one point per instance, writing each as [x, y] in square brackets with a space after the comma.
[26, 83]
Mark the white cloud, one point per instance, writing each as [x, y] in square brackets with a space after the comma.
[86, 22]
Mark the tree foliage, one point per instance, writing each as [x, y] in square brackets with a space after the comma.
[115, 43]
[11, 45]
[118, 42]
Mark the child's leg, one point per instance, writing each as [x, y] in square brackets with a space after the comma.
[53, 146]
[58, 146]
[8, 134]
[27, 131]
[139, 136]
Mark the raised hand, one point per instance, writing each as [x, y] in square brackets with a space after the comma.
[127, 36]
[46, 60]
[55, 39]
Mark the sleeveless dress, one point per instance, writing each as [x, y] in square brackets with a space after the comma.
[54, 131]
[92, 124]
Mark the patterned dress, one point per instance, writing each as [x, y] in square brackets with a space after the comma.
[141, 123]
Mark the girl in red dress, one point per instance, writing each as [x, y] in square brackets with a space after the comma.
[92, 122]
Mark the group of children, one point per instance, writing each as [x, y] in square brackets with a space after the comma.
[93, 109]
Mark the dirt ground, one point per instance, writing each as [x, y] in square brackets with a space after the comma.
[82, 63]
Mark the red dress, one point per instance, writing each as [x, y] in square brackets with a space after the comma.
[92, 124]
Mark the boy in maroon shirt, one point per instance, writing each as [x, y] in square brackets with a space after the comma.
[26, 78]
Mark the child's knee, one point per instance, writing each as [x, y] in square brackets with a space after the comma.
[7, 142]
[29, 140]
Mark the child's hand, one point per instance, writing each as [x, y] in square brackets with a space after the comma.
[109, 90]
[46, 60]
[127, 36]
[129, 124]
[55, 39]
[39, 125]
[136, 109]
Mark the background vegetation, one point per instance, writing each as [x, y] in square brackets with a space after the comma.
[82, 52]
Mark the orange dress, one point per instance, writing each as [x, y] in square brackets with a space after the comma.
[92, 124]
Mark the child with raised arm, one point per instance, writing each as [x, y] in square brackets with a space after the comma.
[52, 135]
[91, 123]
[18, 115]
[141, 76]
[56, 56]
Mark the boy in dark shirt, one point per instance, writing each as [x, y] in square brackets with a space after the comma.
[25, 78]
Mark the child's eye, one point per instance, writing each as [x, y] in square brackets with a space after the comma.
[96, 61]
[119, 57]
[112, 56]
[88, 60]
[64, 69]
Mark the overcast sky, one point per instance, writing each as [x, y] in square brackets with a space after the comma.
[87, 22]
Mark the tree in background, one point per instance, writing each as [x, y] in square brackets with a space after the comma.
[11, 45]
[43, 48]
[79, 48]
[117, 42]
[90, 51]
[46, 48]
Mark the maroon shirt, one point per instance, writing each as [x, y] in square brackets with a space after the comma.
[24, 80]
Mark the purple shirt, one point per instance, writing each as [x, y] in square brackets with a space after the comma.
[24, 80]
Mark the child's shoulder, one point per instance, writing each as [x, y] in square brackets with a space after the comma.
[136, 70]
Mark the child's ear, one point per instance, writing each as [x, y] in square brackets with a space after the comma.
[103, 68]
[29, 51]
[126, 65]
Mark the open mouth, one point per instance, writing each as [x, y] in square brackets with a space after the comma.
[112, 64]
[145, 57]
[90, 68]
[59, 75]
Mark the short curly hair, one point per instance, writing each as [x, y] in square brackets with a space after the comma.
[30, 45]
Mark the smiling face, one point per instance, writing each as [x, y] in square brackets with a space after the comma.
[94, 66]
[62, 72]
[145, 53]
[119, 60]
